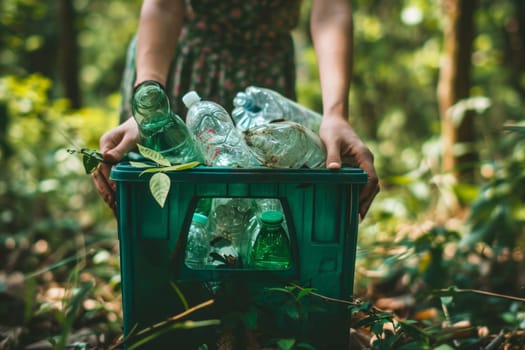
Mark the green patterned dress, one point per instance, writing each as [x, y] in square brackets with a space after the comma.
[224, 47]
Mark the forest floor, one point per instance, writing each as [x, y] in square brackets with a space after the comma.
[76, 304]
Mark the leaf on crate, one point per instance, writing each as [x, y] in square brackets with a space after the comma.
[159, 185]
[153, 155]
[139, 164]
[177, 167]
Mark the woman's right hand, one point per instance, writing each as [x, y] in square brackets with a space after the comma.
[114, 144]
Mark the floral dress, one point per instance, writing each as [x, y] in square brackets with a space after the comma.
[224, 47]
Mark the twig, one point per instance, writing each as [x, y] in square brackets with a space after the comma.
[324, 297]
[161, 324]
[481, 292]
[493, 345]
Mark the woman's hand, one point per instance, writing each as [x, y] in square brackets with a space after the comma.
[343, 146]
[114, 144]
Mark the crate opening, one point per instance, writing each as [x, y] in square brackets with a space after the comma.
[240, 233]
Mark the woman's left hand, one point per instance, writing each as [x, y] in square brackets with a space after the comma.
[343, 146]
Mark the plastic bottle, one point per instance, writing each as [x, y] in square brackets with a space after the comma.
[229, 217]
[220, 142]
[257, 106]
[254, 224]
[161, 129]
[286, 145]
[198, 244]
[271, 249]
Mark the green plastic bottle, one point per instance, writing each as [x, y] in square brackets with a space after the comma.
[271, 250]
[160, 128]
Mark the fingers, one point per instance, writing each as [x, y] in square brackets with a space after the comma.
[367, 195]
[117, 142]
[365, 160]
[105, 187]
[333, 157]
[117, 153]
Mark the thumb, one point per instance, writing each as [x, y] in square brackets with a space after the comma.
[333, 156]
[116, 153]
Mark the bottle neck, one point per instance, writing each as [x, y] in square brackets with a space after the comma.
[150, 100]
[271, 226]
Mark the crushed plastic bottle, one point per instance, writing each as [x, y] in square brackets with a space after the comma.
[229, 217]
[220, 141]
[160, 128]
[258, 106]
[286, 145]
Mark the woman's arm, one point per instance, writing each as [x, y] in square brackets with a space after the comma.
[331, 28]
[159, 27]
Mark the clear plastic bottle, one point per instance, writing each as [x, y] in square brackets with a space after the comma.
[221, 143]
[229, 218]
[198, 244]
[271, 249]
[286, 145]
[161, 129]
[257, 106]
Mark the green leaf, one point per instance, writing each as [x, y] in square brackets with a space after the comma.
[159, 185]
[139, 164]
[90, 163]
[153, 155]
[285, 344]
[304, 292]
[177, 167]
[303, 345]
[446, 300]
[444, 347]
[415, 345]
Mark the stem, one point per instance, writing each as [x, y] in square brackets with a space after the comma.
[161, 324]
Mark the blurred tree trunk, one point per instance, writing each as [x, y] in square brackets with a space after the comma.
[68, 53]
[515, 45]
[5, 148]
[453, 86]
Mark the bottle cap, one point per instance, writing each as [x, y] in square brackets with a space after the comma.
[190, 98]
[272, 217]
[203, 219]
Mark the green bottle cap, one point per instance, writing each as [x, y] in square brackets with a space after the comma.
[272, 217]
[203, 219]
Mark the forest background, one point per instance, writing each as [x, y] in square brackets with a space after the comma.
[438, 94]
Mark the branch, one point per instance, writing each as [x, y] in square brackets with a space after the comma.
[168, 321]
[481, 292]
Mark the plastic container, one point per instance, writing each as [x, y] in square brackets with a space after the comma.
[320, 209]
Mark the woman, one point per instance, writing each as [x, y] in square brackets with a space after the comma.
[219, 47]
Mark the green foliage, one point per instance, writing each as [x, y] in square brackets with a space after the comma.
[50, 215]
[411, 233]
[497, 215]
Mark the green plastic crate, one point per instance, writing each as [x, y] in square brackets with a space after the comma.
[321, 211]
